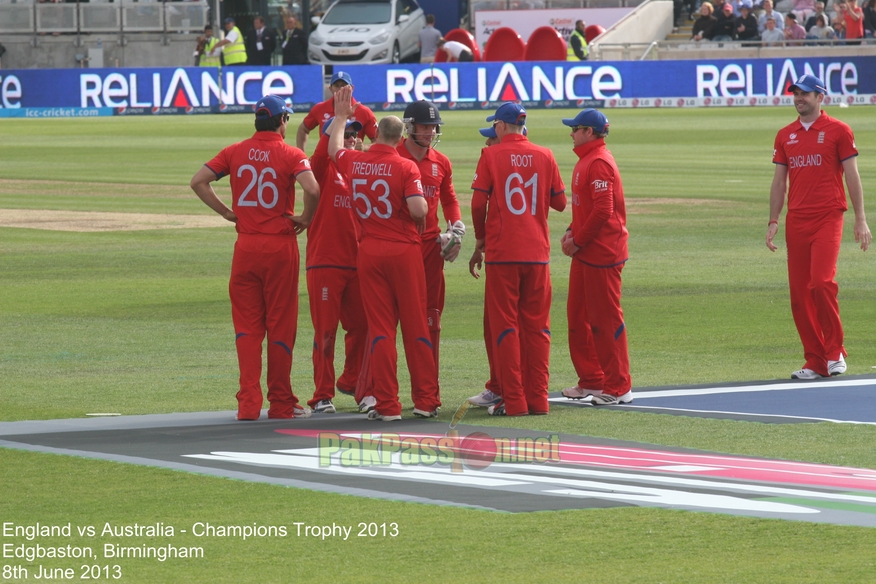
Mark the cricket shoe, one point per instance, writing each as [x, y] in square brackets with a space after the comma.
[837, 367]
[425, 413]
[807, 373]
[497, 410]
[324, 406]
[485, 399]
[367, 404]
[301, 412]
[375, 415]
[604, 399]
[578, 392]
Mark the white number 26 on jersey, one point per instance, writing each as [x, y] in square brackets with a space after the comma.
[512, 189]
[259, 181]
[377, 186]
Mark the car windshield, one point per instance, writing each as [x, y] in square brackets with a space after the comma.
[359, 13]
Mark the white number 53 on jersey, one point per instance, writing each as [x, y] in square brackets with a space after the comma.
[383, 201]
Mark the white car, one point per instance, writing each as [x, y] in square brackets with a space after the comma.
[367, 31]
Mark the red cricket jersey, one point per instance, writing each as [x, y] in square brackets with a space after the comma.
[333, 236]
[381, 181]
[324, 111]
[599, 213]
[262, 171]
[519, 179]
[814, 159]
[436, 175]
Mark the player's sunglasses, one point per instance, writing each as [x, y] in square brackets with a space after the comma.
[285, 117]
[576, 128]
[349, 135]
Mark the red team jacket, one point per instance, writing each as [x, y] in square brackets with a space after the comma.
[599, 214]
[521, 182]
[263, 170]
[814, 159]
[436, 175]
[325, 110]
[381, 180]
[333, 237]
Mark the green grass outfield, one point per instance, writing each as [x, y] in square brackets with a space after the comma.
[139, 322]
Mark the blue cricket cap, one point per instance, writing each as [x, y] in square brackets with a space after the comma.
[270, 106]
[229, 20]
[342, 76]
[591, 118]
[809, 83]
[350, 124]
[510, 113]
[491, 132]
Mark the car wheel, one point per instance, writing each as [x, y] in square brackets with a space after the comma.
[396, 54]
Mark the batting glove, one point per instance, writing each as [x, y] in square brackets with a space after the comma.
[451, 240]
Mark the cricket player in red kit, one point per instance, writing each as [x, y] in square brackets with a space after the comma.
[811, 155]
[422, 125]
[325, 110]
[515, 185]
[597, 243]
[332, 278]
[388, 199]
[264, 270]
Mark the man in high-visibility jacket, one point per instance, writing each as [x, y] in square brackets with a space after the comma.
[576, 50]
[205, 53]
[233, 49]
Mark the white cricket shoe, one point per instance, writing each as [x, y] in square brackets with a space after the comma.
[485, 399]
[375, 415]
[805, 373]
[837, 367]
[605, 399]
[578, 392]
[367, 404]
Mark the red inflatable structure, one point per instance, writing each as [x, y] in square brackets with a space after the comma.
[545, 44]
[504, 45]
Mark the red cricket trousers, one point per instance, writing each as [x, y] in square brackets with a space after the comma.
[264, 299]
[335, 298]
[597, 333]
[393, 286]
[518, 299]
[813, 248]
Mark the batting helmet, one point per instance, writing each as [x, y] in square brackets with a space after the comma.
[424, 113]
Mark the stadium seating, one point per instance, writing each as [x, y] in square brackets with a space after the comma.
[504, 45]
[461, 36]
[545, 44]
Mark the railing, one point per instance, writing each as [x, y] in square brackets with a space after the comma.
[29, 17]
[753, 49]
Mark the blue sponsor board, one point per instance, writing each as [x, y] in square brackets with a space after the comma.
[461, 86]
[590, 84]
[161, 90]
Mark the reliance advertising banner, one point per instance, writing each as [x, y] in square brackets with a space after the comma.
[750, 82]
[190, 90]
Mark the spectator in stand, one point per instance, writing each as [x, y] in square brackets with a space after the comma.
[839, 29]
[870, 19]
[704, 27]
[793, 31]
[294, 45]
[771, 35]
[429, 37]
[725, 25]
[812, 20]
[803, 9]
[455, 51]
[821, 31]
[768, 11]
[738, 5]
[746, 25]
[260, 43]
[853, 16]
